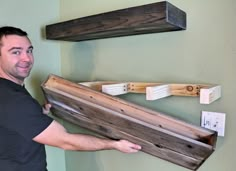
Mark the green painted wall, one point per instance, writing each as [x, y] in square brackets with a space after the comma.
[32, 16]
[204, 53]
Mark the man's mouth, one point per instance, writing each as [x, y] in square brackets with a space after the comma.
[24, 66]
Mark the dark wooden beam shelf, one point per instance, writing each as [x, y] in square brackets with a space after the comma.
[150, 18]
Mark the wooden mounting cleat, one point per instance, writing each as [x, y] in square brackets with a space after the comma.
[154, 91]
[209, 95]
[158, 92]
[115, 89]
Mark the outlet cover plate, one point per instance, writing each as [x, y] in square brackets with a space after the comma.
[214, 121]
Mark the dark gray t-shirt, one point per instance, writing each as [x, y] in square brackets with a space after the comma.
[21, 119]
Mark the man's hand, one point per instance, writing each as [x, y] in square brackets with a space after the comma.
[126, 146]
[46, 108]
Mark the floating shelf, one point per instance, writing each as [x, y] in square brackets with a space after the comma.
[159, 134]
[150, 18]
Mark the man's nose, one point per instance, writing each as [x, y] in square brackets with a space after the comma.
[26, 57]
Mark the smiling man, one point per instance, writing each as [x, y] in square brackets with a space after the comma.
[24, 127]
[17, 58]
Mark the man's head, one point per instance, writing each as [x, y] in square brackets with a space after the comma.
[16, 57]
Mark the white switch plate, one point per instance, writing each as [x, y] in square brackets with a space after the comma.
[214, 121]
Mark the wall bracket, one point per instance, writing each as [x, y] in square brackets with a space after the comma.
[154, 91]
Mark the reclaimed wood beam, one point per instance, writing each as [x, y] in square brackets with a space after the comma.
[160, 135]
[107, 131]
[150, 18]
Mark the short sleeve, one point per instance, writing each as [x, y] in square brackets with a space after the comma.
[24, 115]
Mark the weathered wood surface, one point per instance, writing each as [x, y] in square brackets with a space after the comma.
[160, 135]
[151, 18]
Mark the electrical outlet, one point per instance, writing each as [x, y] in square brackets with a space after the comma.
[214, 121]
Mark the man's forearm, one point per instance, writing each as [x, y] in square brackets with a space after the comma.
[56, 135]
[83, 142]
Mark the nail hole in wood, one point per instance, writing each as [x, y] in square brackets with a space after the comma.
[189, 146]
[157, 145]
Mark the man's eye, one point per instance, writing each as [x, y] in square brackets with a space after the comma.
[16, 52]
[30, 51]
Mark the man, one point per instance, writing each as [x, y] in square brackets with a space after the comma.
[24, 129]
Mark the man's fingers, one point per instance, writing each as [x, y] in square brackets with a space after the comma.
[46, 108]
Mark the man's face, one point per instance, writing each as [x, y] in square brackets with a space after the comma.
[16, 58]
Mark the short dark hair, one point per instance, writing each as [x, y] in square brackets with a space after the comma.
[9, 30]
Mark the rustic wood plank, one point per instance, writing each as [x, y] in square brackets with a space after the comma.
[160, 136]
[150, 18]
[61, 85]
[147, 147]
[184, 141]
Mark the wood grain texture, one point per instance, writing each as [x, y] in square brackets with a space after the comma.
[160, 135]
[150, 18]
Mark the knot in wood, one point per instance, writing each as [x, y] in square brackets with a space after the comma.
[189, 88]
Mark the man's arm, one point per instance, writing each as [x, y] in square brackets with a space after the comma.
[56, 135]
